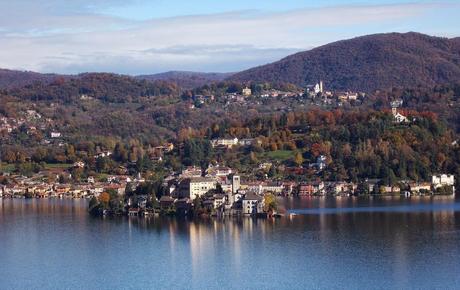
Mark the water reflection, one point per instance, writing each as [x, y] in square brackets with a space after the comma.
[408, 248]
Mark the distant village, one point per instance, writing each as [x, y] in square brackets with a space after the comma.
[315, 94]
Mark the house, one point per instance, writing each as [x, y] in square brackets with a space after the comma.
[313, 188]
[321, 162]
[248, 141]
[168, 147]
[398, 117]
[423, 187]
[385, 189]
[79, 164]
[305, 190]
[246, 92]
[372, 185]
[215, 202]
[166, 202]
[265, 165]
[183, 206]
[344, 188]
[157, 159]
[315, 89]
[218, 171]
[252, 204]
[196, 187]
[118, 188]
[219, 200]
[103, 154]
[229, 143]
[191, 171]
[133, 211]
[442, 180]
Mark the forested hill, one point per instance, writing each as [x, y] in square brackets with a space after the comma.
[13, 78]
[185, 79]
[368, 63]
[102, 86]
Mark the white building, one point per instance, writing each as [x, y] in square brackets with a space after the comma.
[318, 88]
[103, 154]
[236, 183]
[55, 134]
[442, 180]
[224, 142]
[399, 118]
[247, 92]
[199, 186]
[252, 204]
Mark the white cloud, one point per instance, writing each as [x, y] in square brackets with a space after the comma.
[221, 42]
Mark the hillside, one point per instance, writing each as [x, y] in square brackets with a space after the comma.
[185, 79]
[367, 63]
[104, 86]
[12, 78]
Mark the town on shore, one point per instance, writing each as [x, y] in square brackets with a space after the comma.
[218, 190]
[183, 179]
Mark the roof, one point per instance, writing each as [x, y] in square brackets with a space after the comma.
[166, 198]
[201, 179]
[253, 196]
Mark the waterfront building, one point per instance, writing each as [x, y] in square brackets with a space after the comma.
[252, 204]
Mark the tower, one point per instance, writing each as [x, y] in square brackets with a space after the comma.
[321, 86]
[236, 183]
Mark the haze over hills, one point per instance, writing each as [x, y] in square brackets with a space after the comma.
[368, 63]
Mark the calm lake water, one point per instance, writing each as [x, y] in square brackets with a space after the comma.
[331, 243]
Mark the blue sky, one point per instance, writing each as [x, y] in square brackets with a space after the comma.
[141, 37]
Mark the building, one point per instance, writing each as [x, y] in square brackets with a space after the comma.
[55, 134]
[199, 186]
[318, 88]
[191, 171]
[236, 183]
[218, 171]
[103, 154]
[263, 187]
[320, 162]
[253, 204]
[183, 206]
[443, 180]
[420, 187]
[344, 187]
[79, 164]
[229, 143]
[247, 92]
[313, 188]
[398, 117]
[248, 141]
[166, 202]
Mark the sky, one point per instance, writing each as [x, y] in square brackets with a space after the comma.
[151, 36]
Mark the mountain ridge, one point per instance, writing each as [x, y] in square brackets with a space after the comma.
[367, 63]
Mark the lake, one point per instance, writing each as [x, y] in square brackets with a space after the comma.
[344, 243]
